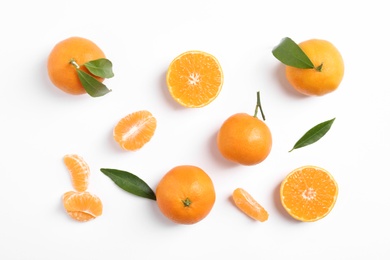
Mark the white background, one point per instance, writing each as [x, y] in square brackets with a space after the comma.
[40, 124]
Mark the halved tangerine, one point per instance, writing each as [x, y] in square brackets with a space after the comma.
[79, 171]
[82, 206]
[194, 78]
[247, 204]
[309, 193]
[133, 131]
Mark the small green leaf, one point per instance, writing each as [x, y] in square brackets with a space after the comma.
[130, 183]
[93, 87]
[100, 68]
[289, 53]
[314, 134]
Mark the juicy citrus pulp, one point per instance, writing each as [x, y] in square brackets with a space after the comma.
[194, 78]
[82, 206]
[134, 130]
[308, 193]
[185, 194]
[79, 171]
[247, 204]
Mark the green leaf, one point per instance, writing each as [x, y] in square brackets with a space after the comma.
[130, 183]
[100, 68]
[289, 53]
[93, 87]
[314, 134]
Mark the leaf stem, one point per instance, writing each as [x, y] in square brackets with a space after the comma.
[258, 106]
[319, 68]
[74, 63]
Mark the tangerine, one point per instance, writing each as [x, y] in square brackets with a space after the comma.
[309, 193]
[194, 78]
[65, 57]
[244, 139]
[327, 73]
[185, 194]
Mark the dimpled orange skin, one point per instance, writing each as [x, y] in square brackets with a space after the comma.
[244, 139]
[62, 73]
[311, 82]
[183, 184]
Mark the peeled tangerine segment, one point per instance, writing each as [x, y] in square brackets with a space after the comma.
[133, 131]
[82, 206]
[79, 171]
[247, 204]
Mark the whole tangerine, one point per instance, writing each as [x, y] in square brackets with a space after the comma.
[65, 57]
[244, 139]
[185, 194]
[327, 73]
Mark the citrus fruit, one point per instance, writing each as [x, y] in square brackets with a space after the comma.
[82, 206]
[133, 131]
[244, 139]
[79, 171]
[185, 194]
[327, 73]
[194, 78]
[61, 64]
[309, 193]
[247, 204]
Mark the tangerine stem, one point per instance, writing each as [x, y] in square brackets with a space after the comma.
[187, 202]
[319, 68]
[74, 63]
[258, 106]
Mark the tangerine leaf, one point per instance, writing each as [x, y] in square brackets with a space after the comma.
[100, 68]
[93, 87]
[130, 183]
[289, 53]
[314, 134]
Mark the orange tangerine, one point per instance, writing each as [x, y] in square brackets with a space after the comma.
[185, 194]
[62, 72]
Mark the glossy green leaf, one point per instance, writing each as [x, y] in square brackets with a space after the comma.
[93, 87]
[289, 53]
[100, 68]
[130, 183]
[314, 134]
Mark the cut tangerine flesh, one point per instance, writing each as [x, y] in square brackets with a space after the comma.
[309, 193]
[194, 78]
[247, 204]
[82, 206]
[135, 130]
[79, 171]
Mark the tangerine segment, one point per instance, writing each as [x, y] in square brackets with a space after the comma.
[134, 130]
[194, 78]
[82, 206]
[79, 171]
[247, 204]
[309, 193]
